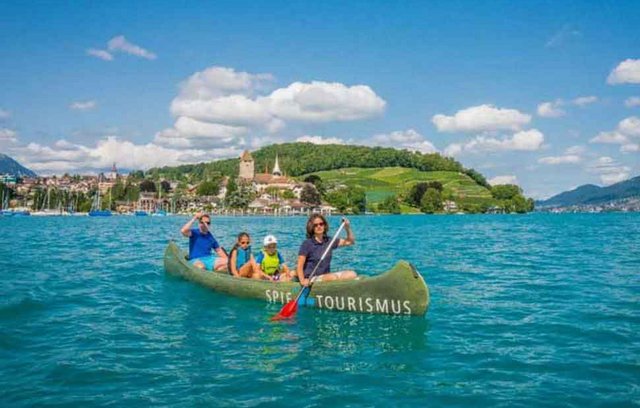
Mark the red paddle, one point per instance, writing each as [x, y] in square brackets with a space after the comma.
[291, 307]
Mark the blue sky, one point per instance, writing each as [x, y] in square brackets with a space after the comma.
[544, 94]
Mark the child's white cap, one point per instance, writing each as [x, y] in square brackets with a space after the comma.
[269, 239]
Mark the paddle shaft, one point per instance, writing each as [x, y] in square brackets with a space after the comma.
[324, 255]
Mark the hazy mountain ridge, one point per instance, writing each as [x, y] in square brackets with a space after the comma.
[10, 166]
[592, 194]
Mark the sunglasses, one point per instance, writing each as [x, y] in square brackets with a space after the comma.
[205, 222]
[244, 242]
[318, 224]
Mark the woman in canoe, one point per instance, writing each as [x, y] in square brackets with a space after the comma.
[242, 264]
[314, 246]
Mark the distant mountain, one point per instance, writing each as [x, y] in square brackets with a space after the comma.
[10, 166]
[590, 194]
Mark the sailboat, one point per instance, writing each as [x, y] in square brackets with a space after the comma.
[45, 209]
[159, 212]
[6, 212]
[96, 208]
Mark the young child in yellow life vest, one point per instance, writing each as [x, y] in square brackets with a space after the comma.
[271, 262]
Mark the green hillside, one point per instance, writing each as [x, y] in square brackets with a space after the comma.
[380, 183]
[305, 158]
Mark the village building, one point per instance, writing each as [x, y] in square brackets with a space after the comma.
[264, 184]
[263, 181]
[105, 183]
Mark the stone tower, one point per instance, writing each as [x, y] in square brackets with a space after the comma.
[246, 167]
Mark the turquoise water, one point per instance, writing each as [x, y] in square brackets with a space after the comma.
[534, 310]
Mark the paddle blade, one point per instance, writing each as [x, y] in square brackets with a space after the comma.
[287, 311]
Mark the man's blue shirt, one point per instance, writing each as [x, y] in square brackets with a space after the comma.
[201, 244]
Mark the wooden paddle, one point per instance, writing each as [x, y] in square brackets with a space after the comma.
[291, 307]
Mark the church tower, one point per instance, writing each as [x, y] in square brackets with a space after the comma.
[276, 168]
[114, 172]
[246, 167]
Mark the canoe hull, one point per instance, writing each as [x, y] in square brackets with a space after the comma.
[399, 291]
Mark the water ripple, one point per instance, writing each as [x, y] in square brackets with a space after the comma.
[535, 310]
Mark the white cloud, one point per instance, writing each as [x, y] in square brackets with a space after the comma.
[578, 150]
[64, 156]
[572, 155]
[627, 72]
[83, 105]
[192, 133]
[320, 140]
[632, 101]
[190, 127]
[102, 54]
[4, 114]
[324, 102]
[220, 81]
[554, 109]
[610, 138]
[232, 109]
[120, 44]
[405, 139]
[503, 180]
[630, 126]
[585, 100]
[551, 109]
[624, 133]
[526, 140]
[609, 170]
[630, 148]
[481, 118]
[7, 135]
[562, 36]
[222, 103]
[566, 159]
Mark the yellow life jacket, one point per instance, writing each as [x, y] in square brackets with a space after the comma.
[270, 263]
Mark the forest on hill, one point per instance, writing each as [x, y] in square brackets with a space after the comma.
[297, 159]
[357, 179]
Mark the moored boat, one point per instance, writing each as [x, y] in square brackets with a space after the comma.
[399, 291]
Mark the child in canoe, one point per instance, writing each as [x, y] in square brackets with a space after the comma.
[242, 264]
[271, 262]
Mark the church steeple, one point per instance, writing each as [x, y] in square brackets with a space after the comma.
[276, 168]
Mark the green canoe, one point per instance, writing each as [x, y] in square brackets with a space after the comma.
[399, 291]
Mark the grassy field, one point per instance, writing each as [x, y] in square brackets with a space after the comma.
[382, 182]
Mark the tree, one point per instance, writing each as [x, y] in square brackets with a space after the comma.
[147, 186]
[317, 182]
[273, 191]
[477, 177]
[118, 191]
[348, 200]
[505, 191]
[416, 193]
[232, 186]
[310, 195]
[239, 198]
[165, 186]
[390, 205]
[136, 175]
[288, 195]
[431, 201]
[208, 188]
[131, 192]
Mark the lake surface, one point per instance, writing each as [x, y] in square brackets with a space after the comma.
[527, 310]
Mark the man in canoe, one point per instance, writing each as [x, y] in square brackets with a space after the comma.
[314, 246]
[202, 242]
